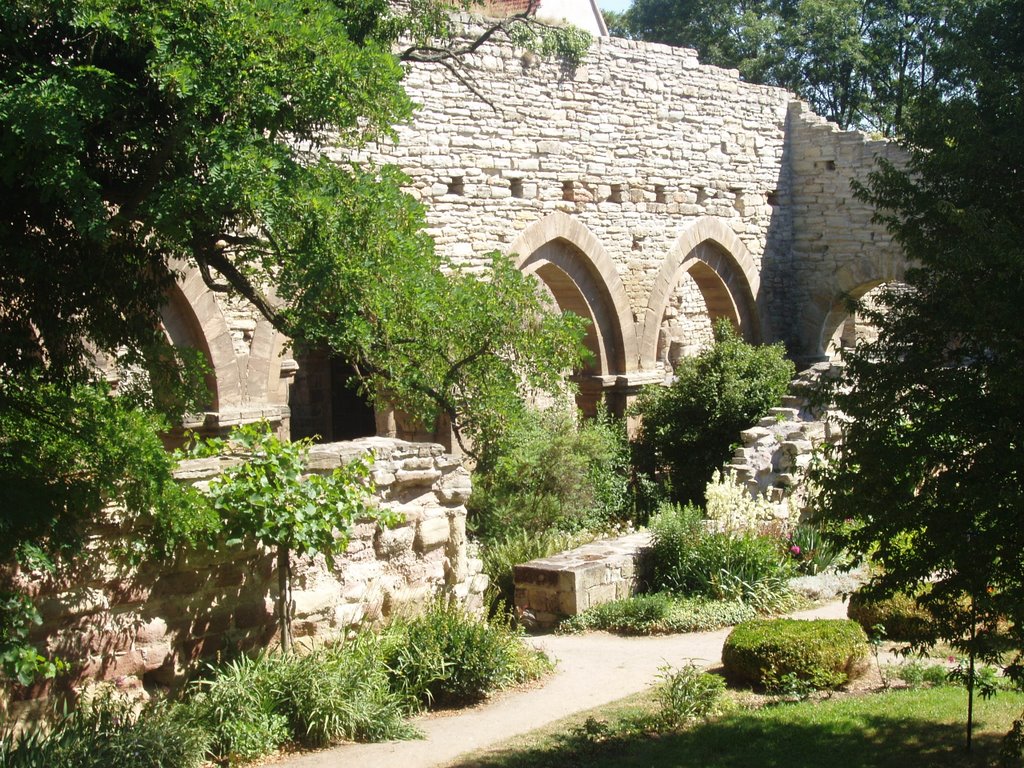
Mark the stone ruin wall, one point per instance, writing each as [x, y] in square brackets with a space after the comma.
[642, 147]
[151, 625]
[638, 144]
[650, 154]
[774, 455]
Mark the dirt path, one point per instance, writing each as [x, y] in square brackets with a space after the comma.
[592, 669]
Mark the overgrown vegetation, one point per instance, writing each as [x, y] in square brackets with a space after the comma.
[501, 555]
[269, 497]
[552, 470]
[109, 731]
[553, 482]
[660, 613]
[690, 558]
[930, 464]
[144, 140]
[445, 658]
[360, 689]
[688, 429]
[899, 615]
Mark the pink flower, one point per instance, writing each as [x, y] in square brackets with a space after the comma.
[795, 549]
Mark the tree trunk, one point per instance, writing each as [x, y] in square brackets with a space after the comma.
[284, 597]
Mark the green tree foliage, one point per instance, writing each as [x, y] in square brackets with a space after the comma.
[65, 455]
[140, 138]
[687, 430]
[932, 459]
[552, 471]
[860, 64]
[269, 497]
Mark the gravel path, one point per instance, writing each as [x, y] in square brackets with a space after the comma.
[592, 669]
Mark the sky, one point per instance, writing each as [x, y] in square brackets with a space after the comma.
[613, 5]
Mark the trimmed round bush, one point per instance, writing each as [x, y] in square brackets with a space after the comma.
[903, 619]
[774, 653]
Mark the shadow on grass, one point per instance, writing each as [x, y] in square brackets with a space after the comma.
[744, 740]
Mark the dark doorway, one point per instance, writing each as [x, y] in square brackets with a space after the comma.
[324, 403]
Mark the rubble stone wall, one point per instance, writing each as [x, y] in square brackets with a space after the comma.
[152, 624]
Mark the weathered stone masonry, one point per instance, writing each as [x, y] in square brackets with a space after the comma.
[151, 625]
[642, 174]
[647, 192]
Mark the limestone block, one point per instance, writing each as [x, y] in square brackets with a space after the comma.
[394, 543]
[455, 487]
[416, 478]
[407, 599]
[597, 595]
[478, 583]
[432, 533]
[318, 602]
[151, 632]
[78, 602]
[349, 615]
[571, 603]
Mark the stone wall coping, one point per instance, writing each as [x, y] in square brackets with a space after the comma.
[595, 553]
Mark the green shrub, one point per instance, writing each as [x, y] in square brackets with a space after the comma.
[552, 470]
[675, 531]
[824, 653]
[688, 429]
[341, 692]
[448, 657]
[687, 559]
[903, 619]
[659, 613]
[238, 704]
[501, 555]
[812, 550]
[688, 694]
[109, 733]
[917, 674]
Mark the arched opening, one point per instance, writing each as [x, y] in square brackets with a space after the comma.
[183, 330]
[708, 275]
[843, 329]
[324, 403]
[575, 285]
[704, 287]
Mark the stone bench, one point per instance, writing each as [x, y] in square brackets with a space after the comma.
[550, 588]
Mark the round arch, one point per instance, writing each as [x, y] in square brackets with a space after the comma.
[851, 283]
[580, 275]
[725, 273]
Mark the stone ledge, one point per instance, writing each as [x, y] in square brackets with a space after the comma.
[551, 588]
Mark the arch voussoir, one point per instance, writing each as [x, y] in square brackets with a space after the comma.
[721, 251]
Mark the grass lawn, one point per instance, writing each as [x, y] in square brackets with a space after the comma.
[897, 729]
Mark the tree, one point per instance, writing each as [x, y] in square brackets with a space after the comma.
[687, 430]
[268, 497]
[727, 34]
[136, 135]
[931, 464]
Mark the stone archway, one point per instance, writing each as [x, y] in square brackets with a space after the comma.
[192, 318]
[830, 309]
[717, 262]
[245, 385]
[843, 328]
[580, 277]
